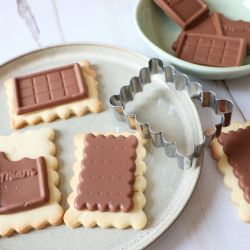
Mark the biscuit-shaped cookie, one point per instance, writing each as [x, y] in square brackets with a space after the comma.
[230, 179]
[33, 144]
[135, 218]
[78, 107]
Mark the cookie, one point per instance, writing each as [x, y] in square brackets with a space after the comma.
[232, 150]
[54, 93]
[29, 194]
[108, 182]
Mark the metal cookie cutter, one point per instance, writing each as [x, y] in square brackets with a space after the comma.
[179, 82]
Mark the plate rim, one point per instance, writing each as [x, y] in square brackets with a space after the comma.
[160, 232]
[69, 44]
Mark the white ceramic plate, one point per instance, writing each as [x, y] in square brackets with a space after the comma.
[169, 188]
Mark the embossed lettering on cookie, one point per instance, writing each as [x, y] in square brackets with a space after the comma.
[23, 184]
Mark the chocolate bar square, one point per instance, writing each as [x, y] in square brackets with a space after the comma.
[184, 12]
[23, 184]
[107, 175]
[211, 50]
[49, 88]
[232, 28]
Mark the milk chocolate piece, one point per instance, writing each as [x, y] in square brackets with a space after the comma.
[23, 184]
[184, 12]
[218, 51]
[238, 28]
[49, 88]
[107, 175]
[236, 145]
[205, 26]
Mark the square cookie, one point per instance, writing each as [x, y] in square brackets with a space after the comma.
[231, 151]
[108, 182]
[29, 194]
[54, 93]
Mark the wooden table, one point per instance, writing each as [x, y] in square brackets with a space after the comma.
[210, 219]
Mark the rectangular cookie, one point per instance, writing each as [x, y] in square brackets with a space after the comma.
[104, 160]
[235, 178]
[53, 93]
[28, 182]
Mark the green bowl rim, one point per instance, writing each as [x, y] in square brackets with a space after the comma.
[177, 61]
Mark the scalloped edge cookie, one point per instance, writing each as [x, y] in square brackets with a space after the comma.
[230, 181]
[33, 144]
[78, 108]
[136, 218]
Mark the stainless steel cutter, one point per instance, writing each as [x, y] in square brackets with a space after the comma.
[179, 82]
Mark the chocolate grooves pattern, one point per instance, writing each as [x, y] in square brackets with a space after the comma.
[211, 50]
[49, 88]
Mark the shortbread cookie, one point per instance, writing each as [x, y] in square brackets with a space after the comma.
[108, 182]
[29, 197]
[232, 150]
[54, 93]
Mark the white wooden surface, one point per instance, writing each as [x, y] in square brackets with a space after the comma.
[210, 219]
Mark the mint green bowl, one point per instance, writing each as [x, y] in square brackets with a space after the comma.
[159, 32]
